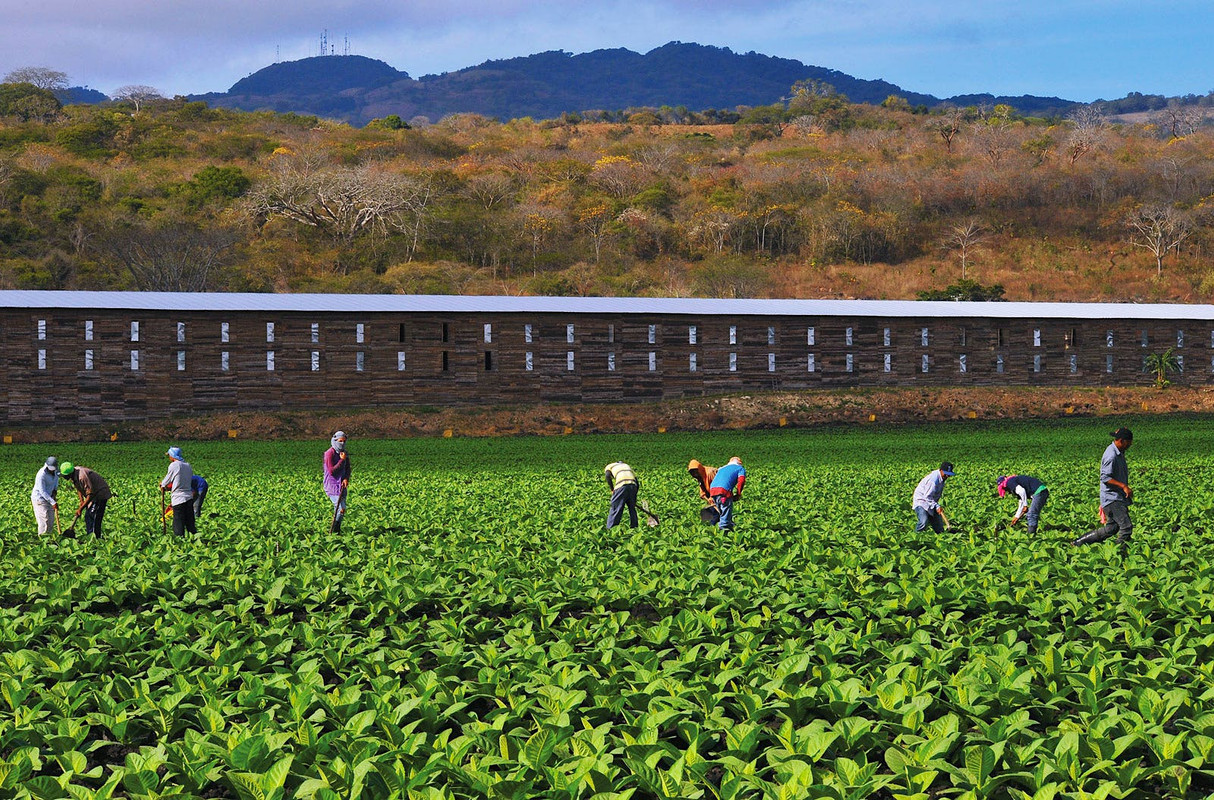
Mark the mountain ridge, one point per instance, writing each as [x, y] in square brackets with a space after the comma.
[357, 89]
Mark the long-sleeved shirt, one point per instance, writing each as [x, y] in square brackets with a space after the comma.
[337, 470]
[1113, 467]
[703, 474]
[619, 474]
[927, 493]
[728, 481]
[45, 484]
[179, 478]
[89, 484]
[1024, 487]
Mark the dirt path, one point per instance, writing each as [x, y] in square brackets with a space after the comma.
[733, 412]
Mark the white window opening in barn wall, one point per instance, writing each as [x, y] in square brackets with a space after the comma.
[180, 332]
[1037, 363]
[771, 362]
[999, 364]
[134, 360]
[810, 363]
[809, 336]
[269, 332]
[961, 365]
[569, 335]
[1108, 338]
[888, 366]
[400, 360]
[1180, 338]
[1108, 364]
[224, 362]
[528, 362]
[1074, 363]
[653, 334]
[315, 329]
[488, 333]
[733, 362]
[847, 337]
[691, 334]
[885, 338]
[925, 365]
[849, 362]
[41, 359]
[88, 359]
[134, 331]
[223, 332]
[1036, 337]
[691, 362]
[611, 361]
[316, 361]
[360, 333]
[88, 330]
[653, 361]
[771, 335]
[359, 361]
[269, 361]
[1180, 363]
[569, 357]
[527, 333]
[923, 336]
[733, 334]
[181, 361]
[41, 330]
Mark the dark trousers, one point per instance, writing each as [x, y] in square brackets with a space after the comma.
[1036, 503]
[183, 518]
[94, 513]
[1118, 515]
[199, 498]
[624, 496]
[928, 518]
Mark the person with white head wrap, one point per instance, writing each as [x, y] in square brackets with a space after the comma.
[337, 478]
[44, 497]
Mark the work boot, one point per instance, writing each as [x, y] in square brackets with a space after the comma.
[1090, 538]
[336, 526]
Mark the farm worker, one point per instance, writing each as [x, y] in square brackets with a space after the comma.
[198, 489]
[178, 480]
[726, 488]
[46, 484]
[1031, 493]
[926, 501]
[703, 475]
[337, 478]
[623, 483]
[1115, 492]
[93, 492]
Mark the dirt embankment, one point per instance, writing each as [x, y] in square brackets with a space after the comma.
[733, 412]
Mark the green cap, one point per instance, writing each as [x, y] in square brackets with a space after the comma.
[66, 468]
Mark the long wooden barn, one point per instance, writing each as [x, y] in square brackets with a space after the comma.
[92, 357]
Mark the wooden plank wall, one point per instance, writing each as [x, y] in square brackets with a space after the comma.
[447, 360]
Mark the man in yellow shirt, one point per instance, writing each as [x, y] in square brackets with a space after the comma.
[624, 485]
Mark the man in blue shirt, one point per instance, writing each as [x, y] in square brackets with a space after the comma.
[199, 486]
[726, 487]
[1115, 493]
[926, 500]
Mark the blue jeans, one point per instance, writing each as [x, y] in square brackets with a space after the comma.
[623, 497]
[724, 504]
[1033, 515]
[927, 518]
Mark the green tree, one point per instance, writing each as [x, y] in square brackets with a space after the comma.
[1161, 365]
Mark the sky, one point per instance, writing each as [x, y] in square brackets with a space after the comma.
[1076, 49]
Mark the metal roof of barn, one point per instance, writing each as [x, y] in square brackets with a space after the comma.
[439, 304]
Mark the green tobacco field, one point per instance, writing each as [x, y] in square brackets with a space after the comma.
[476, 633]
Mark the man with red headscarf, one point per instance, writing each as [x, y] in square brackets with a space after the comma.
[1032, 495]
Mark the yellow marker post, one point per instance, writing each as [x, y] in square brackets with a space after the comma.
[567, 431]
[8, 438]
[783, 421]
[232, 433]
[448, 433]
[872, 417]
[661, 429]
[972, 415]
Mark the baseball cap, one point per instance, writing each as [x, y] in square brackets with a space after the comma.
[52, 464]
[1123, 433]
[175, 452]
[946, 468]
[66, 468]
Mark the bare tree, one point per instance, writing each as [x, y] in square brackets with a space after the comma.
[1159, 229]
[137, 95]
[177, 257]
[1180, 120]
[42, 77]
[948, 125]
[341, 201]
[963, 238]
[1087, 122]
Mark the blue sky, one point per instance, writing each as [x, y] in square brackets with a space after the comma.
[1077, 49]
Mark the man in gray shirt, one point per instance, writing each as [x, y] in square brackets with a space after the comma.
[1115, 492]
[178, 479]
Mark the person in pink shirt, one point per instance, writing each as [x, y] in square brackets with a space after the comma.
[337, 478]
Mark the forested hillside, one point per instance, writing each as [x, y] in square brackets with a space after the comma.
[814, 198]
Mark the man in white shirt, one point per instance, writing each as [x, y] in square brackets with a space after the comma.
[43, 496]
[926, 501]
[179, 480]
